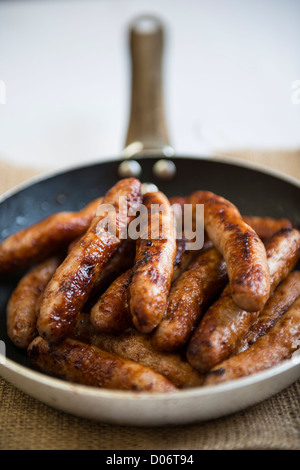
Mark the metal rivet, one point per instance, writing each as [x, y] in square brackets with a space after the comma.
[149, 188]
[164, 169]
[129, 168]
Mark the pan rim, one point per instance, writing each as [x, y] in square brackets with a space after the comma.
[226, 159]
[186, 393]
[63, 385]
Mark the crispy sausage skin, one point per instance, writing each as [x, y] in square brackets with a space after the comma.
[224, 323]
[270, 349]
[242, 249]
[266, 227]
[182, 259]
[111, 314]
[119, 264]
[82, 363]
[153, 265]
[284, 296]
[73, 281]
[185, 256]
[199, 285]
[21, 313]
[136, 346]
[45, 238]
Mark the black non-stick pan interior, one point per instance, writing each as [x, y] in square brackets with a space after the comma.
[254, 192]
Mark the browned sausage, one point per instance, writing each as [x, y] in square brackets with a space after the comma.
[153, 266]
[73, 281]
[199, 285]
[136, 346]
[72, 244]
[270, 349]
[266, 227]
[45, 238]
[182, 259]
[184, 256]
[178, 206]
[21, 313]
[283, 297]
[283, 252]
[78, 362]
[111, 314]
[120, 262]
[243, 250]
[224, 323]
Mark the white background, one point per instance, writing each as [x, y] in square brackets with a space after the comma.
[229, 68]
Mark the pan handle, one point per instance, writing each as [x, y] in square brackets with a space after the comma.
[147, 130]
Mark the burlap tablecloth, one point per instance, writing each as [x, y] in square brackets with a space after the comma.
[25, 423]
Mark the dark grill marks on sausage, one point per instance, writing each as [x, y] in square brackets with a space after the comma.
[224, 324]
[242, 249]
[73, 282]
[154, 265]
[85, 364]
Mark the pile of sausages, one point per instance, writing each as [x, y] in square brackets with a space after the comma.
[150, 314]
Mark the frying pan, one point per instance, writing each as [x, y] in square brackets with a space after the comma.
[254, 189]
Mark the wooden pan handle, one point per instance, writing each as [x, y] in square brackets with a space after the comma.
[147, 130]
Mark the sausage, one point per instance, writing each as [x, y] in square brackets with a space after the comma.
[153, 265]
[81, 363]
[276, 345]
[45, 238]
[72, 244]
[136, 346]
[242, 249]
[224, 323]
[71, 285]
[283, 252]
[283, 297]
[177, 203]
[111, 314]
[199, 285]
[182, 259]
[21, 312]
[266, 227]
[185, 256]
[120, 262]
